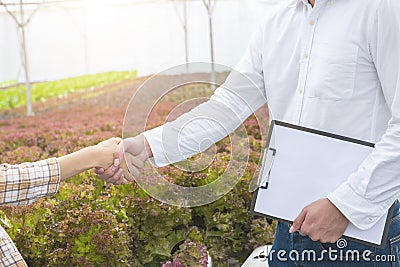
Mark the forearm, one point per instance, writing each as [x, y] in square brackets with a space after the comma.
[187, 135]
[100, 155]
[79, 161]
[372, 189]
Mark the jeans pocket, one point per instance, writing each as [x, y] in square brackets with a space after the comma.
[395, 250]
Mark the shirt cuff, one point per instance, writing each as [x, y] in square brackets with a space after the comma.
[154, 138]
[361, 212]
[55, 175]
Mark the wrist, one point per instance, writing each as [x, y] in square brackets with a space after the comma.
[93, 155]
[148, 149]
[77, 162]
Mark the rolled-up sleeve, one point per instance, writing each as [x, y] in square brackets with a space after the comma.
[26, 183]
[370, 191]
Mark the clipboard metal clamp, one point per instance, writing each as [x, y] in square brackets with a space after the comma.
[262, 180]
[267, 168]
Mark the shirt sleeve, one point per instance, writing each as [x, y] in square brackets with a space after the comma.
[9, 254]
[371, 190]
[26, 183]
[242, 94]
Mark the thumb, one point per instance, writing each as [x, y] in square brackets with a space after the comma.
[118, 154]
[298, 222]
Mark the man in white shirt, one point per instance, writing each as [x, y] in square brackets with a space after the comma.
[332, 65]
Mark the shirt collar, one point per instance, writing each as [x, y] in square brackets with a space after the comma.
[294, 3]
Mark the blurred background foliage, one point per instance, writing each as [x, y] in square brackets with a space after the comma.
[41, 91]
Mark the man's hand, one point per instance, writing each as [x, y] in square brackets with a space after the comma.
[321, 221]
[137, 152]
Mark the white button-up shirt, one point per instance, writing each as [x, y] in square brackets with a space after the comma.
[333, 67]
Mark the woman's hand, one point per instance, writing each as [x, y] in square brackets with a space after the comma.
[105, 160]
[104, 152]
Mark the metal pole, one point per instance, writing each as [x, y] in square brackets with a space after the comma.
[185, 29]
[85, 40]
[210, 22]
[29, 110]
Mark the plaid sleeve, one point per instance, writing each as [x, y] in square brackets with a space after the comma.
[26, 183]
[9, 254]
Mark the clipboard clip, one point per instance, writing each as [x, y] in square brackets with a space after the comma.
[268, 173]
[262, 180]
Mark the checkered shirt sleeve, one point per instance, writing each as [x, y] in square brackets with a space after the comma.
[26, 183]
[9, 254]
[23, 184]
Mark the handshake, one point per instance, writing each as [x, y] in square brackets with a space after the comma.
[129, 155]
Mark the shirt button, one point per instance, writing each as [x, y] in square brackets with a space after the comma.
[312, 22]
[300, 90]
[306, 55]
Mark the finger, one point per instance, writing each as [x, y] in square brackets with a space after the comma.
[118, 154]
[115, 177]
[305, 230]
[298, 222]
[130, 173]
[122, 180]
[108, 173]
[314, 237]
[329, 240]
[302, 233]
[136, 162]
[129, 177]
[132, 160]
[98, 170]
[127, 173]
[133, 171]
[133, 164]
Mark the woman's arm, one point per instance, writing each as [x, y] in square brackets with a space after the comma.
[100, 155]
[26, 183]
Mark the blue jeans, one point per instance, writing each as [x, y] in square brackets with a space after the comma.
[294, 250]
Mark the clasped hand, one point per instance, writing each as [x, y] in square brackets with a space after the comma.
[123, 170]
